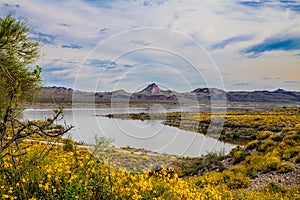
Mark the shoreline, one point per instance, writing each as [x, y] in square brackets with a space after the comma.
[230, 105]
[240, 126]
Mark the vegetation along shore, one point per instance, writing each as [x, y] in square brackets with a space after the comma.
[38, 161]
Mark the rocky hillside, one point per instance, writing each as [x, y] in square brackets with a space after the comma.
[154, 93]
[278, 95]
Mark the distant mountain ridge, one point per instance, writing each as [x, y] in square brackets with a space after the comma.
[151, 89]
[154, 93]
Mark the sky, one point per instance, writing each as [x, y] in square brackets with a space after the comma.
[181, 45]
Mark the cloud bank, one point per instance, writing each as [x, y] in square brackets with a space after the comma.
[246, 40]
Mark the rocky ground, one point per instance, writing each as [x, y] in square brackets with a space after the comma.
[287, 180]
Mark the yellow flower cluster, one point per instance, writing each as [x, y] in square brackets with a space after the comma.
[48, 171]
[78, 175]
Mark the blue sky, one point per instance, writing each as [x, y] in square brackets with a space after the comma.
[181, 45]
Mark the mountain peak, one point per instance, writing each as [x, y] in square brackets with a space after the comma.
[57, 88]
[151, 89]
[201, 90]
[208, 90]
[279, 90]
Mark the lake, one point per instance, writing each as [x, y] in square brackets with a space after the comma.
[151, 134]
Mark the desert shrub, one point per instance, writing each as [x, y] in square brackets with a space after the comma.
[276, 152]
[286, 131]
[266, 146]
[238, 169]
[264, 135]
[282, 144]
[253, 144]
[290, 142]
[285, 167]
[239, 155]
[211, 161]
[261, 163]
[276, 137]
[68, 144]
[193, 170]
[56, 176]
[297, 128]
[297, 158]
[212, 178]
[270, 164]
[272, 191]
[290, 152]
[235, 180]
[292, 138]
[275, 187]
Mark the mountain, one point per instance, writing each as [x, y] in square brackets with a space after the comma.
[207, 94]
[151, 89]
[154, 93]
[120, 94]
[277, 96]
[56, 94]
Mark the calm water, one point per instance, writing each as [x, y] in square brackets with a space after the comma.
[151, 135]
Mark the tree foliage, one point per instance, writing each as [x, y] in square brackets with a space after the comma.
[17, 82]
[17, 53]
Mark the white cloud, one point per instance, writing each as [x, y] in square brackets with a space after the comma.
[88, 24]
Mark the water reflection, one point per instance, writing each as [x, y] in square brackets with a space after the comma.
[150, 135]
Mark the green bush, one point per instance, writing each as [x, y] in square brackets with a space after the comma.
[275, 187]
[285, 131]
[264, 135]
[297, 158]
[267, 146]
[261, 163]
[68, 145]
[209, 162]
[239, 155]
[292, 138]
[238, 169]
[290, 142]
[285, 167]
[235, 179]
[253, 144]
[297, 128]
[276, 138]
[270, 164]
[290, 152]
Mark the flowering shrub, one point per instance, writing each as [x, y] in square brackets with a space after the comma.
[49, 170]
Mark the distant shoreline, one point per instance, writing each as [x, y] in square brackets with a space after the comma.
[152, 94]
[228, 105]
